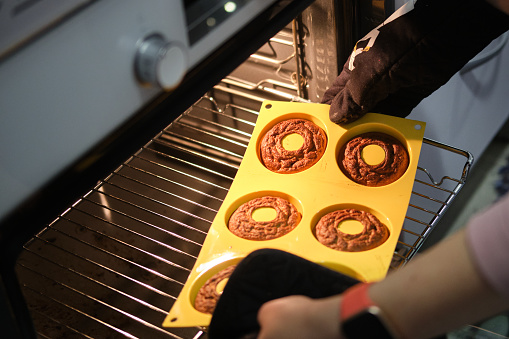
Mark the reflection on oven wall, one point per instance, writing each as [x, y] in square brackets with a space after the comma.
[302, 61]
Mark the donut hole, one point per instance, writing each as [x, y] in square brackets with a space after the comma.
[292, 142]
[264, 214]
[373, 155]
[221, 285]
[350, 226]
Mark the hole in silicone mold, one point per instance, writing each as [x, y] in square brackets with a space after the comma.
[373, 154]
[264, 214]
[268, 106]
[292, 142]
[173, 319]
[220, 286]
[418, 127]
[350, 226]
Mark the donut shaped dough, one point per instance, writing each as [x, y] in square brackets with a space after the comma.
[280, 160]
[207, 296]
[243, 225]
[373, 234]
[389, 170]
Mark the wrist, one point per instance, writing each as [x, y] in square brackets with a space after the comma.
[326, 314]
[361, 317]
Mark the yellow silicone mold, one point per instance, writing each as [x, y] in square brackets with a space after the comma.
[315, 192]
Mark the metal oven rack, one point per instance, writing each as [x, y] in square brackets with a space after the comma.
[114, 262]
[112, 265]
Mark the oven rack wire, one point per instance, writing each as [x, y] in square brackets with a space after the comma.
[116, 260]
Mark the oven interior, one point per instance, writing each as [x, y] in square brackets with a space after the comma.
[114, 262]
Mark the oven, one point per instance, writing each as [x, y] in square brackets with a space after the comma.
[123, 126]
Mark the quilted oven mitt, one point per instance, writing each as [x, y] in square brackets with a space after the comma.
[414, 52]
[265, 275]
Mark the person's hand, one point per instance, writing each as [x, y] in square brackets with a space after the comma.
[297, 317]
[414, 52]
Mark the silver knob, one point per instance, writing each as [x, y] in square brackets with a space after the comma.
[160, 63]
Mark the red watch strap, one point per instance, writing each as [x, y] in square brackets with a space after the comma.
[354, 300]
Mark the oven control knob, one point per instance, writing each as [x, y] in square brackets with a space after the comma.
[160, 63]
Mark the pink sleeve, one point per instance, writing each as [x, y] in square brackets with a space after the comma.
[488, 239]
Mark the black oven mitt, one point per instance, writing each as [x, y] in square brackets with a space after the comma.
[414, 52]
[265, 275]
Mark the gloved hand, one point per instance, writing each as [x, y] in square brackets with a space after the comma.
[409, 56]
[265, 275]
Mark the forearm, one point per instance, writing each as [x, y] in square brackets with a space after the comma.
[437, 292]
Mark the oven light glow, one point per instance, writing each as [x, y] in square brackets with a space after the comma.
[211, 22]
[230, 6]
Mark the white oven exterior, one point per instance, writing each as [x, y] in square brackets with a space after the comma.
[68, 88]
